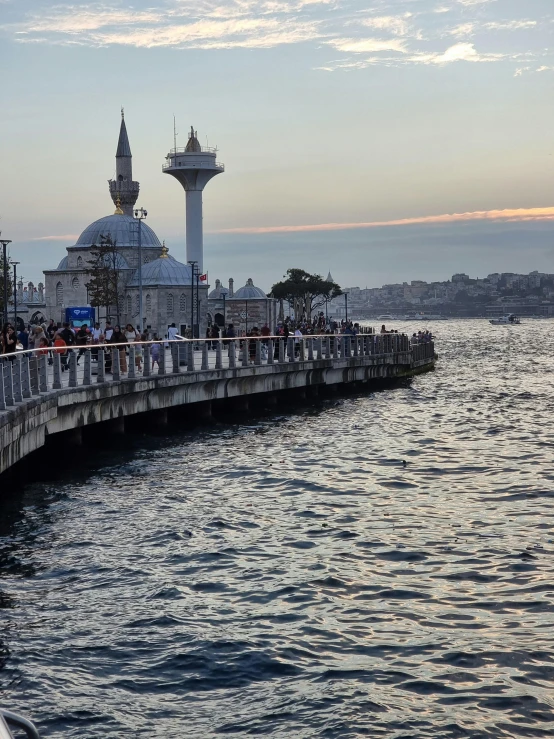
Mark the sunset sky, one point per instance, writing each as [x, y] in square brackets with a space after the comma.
[384, 140]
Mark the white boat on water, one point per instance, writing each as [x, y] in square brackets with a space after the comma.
[509, 320]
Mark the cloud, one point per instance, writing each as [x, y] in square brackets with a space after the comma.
[65, 237]
[462, 52]
[384, 36]
[358, 45]
[503, 216]
[396, 24]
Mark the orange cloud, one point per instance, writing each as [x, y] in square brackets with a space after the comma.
[503, 216]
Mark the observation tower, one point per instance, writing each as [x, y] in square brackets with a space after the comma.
[193, 166]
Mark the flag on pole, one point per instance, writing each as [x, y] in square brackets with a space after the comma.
[203, 278]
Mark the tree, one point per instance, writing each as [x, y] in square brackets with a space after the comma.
[10, 283]
[306, 292]
[105, 286]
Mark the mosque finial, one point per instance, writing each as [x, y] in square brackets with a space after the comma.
[118, 211]
[122, 113]
[165, 251]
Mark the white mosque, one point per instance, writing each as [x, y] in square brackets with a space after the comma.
[171, 292]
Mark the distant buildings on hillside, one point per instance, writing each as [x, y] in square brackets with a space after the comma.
[496, 294]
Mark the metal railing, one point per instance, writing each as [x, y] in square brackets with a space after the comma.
[9, 721]
[30, 373]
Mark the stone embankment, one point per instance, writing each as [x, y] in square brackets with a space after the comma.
[38, 399]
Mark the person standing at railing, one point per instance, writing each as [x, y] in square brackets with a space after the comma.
[82, 339]
[118, 337]
[155, 351]
[9, 339]
[61, 349]
[139, 351]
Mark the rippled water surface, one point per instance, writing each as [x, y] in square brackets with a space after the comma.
[378, 565]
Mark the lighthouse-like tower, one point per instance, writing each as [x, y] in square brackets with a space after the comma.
[123, 189]
[194, 166]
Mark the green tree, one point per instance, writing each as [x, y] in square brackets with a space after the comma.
[306, 292]
[105, 287]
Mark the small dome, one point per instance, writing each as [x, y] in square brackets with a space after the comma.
[249, 292]
[164, 271]
[218, 292]
[63, 264]
[121, 228]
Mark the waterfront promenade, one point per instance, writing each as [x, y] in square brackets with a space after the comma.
[38, 400]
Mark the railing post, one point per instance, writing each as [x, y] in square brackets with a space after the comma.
[356, 345]
[232, 354]
[72, 369]
[16, 365]
[42, 374]
[147, 365]
[161, 361]
[258, 355]
[327, 347]
[25, 376]
[2, 391]
[34, 374]
[175, 357]
[101, 366]
[205, 356]
[87, 369]
[57, 384]
[310, 342]
[190, 358]
[116, 365]
[270, 351]
[132, 365]
[302, 350]
[219, 355]
[281, 350]
[245, 352]
[291, 349]
[336, 340]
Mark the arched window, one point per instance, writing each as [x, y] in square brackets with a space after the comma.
[148, 303]
[120, 178]
[170, 304]
[59, 294]
[79, 261]
[129, 306]
[75, 284]
[183, 303]
[137, 305]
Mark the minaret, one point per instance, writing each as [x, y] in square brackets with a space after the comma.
[123, 187]
[194, 166]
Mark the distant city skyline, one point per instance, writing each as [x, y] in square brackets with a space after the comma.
[409, 140]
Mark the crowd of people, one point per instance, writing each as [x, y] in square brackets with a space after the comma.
[50, 337]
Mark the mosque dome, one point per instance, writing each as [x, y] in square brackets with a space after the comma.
[63, 264]
[165, 271]
[121, 228]
[249, 292]
[219, 291]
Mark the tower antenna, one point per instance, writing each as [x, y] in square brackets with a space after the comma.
[174, 134]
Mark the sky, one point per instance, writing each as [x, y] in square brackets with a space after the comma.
[383, 140]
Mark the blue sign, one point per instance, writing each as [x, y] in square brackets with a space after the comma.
[78, 316]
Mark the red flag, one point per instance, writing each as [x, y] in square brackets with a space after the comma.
[203, 278]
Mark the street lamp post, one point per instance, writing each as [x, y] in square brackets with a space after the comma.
[14, 265]
[140, 215]
[224, 320]
[193, 264]
[5, 243]
[346, 306]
